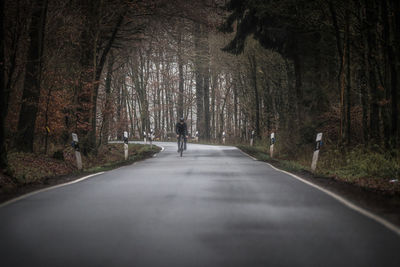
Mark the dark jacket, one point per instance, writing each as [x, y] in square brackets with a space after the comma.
[181, 129]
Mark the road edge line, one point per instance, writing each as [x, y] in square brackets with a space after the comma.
[47, 189]
[8, 202]
[340, 199]
[253, 158]
[345, 202]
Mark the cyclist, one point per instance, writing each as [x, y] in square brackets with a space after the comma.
[181, 130]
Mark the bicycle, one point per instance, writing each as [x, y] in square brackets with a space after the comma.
[181, 143]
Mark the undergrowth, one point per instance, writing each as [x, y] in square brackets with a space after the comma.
[364, 167]
[27, 168]
[359, 163]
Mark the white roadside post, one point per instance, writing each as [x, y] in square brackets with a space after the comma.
[126, 152]
[316, 152]
[75, 145]
[223, 137]
[271, 147]
[144, 138]
[252, 138]
[197, 136]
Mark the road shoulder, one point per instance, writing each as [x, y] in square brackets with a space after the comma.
[383, 208]
[17, 192]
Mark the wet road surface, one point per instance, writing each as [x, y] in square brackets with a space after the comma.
[213, 207]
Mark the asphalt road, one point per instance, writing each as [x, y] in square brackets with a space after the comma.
[213, 207]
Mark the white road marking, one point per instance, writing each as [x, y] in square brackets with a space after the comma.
[342, 200]
[253, 158]
[57, 186]
[345, 202]
[47, 189]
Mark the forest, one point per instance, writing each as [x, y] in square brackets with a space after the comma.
[296, 68]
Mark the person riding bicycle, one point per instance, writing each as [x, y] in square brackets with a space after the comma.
[181, 130]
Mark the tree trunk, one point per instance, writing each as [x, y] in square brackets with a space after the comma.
[213, 89]
[84, 91]
[206, 84]
[31, 92]
[96, 82]
[253, 66]
[163, 105]
[371, 42]
[46, 120]
[199, 81]
[235, 110]
[292, 123]
[12, 79]
[267, 105]
[180, 68]
[348, 81]
[386, 58]
[206, 91]
[3, 98]
[107, 109]
[395, 92]
[130, 113]
[392, 58]
[298, 88]
[158, 101]
[363, 82]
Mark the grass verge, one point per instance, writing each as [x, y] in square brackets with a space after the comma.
[360, 167]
